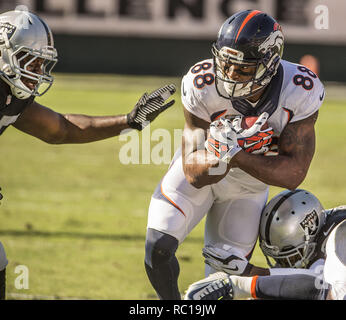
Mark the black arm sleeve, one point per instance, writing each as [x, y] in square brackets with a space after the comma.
[294, 286]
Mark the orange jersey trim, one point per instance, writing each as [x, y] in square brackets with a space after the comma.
[246, 20]
[220, 115]
[288, 114]
[172, 202]
[253, 287]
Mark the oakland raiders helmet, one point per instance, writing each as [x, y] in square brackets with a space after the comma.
[24, 38]
[249, 38]
[289, 225]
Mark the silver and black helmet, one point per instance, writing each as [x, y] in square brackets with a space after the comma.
[24, 38]
[289, 225]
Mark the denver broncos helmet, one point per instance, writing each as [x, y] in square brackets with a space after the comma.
[249, 38]
[289, 228]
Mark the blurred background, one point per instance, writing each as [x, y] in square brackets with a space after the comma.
[74, 215]
[165, 37]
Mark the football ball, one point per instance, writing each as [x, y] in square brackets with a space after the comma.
[248, 122]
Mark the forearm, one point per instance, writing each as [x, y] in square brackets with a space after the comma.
[286, 287]
[202, 168]
[56, 128]
[281, 171]
[83, 128]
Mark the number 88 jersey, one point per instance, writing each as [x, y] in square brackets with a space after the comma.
[293, 94]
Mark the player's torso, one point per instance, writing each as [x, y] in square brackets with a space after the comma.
[10, 107]
[291, 88]
[291, 96]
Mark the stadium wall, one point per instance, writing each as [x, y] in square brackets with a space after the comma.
[170, 57]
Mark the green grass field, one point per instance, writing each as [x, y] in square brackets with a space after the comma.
[76, 217]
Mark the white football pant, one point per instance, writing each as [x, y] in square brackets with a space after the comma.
[233, 210]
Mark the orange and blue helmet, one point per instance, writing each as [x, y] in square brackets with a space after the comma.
[248, 40]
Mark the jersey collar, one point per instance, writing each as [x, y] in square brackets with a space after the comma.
[267, 103]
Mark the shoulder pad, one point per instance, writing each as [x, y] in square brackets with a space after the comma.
[303, 91]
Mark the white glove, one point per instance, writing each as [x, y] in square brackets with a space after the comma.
[220, 286]
[222, 141]
[254, 139]
[223, 257]
[216, 286]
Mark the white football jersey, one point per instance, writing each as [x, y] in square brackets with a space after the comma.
[294, 93]
[300, 95]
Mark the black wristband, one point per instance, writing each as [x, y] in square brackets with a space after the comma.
[133, 124]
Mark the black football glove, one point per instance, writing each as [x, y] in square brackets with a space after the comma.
[149, 106]
[1, 196]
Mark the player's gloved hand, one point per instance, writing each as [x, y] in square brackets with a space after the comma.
[220, 286]
[223, 257]
[222, 140]
[254, 139]
[149, 106]
[1, 196]
[217, 286]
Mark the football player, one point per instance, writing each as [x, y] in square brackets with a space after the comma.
[27, 57]
[305, 247]
[223, 169]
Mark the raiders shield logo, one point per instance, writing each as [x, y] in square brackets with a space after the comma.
[8, 28]
[311, 222]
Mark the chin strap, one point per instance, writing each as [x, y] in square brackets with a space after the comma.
[20, 94]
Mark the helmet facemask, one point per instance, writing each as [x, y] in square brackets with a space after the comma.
[264, 70]
[289, 257]
[27, 54]
[20, 63]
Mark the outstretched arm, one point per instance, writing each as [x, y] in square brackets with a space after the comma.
[55, 128]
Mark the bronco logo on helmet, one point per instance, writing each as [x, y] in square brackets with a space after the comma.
[275, 39]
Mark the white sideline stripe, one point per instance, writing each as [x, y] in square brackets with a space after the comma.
[23, 296]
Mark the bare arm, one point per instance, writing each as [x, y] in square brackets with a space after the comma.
[197, 162]
[56, 128]
[289, 168]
